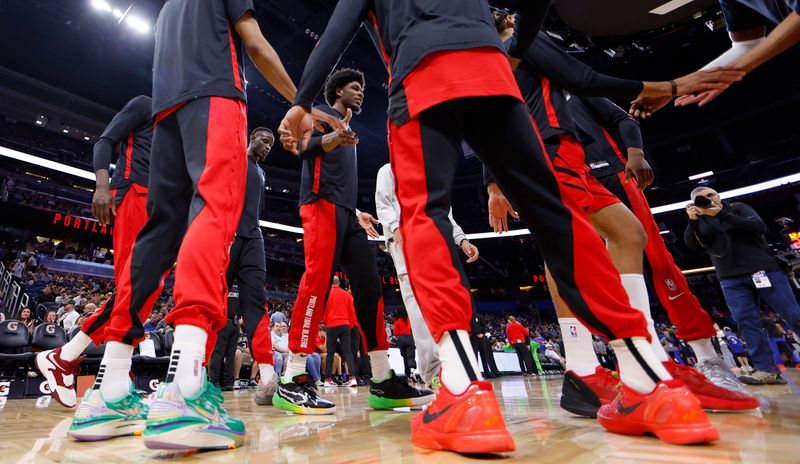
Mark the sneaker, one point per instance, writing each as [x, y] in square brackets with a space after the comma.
[264, 393]
[763, 378]
[352, 383]
[97, 419]
[670, 412]
[319, 384]
[583, 396]
[436, 383]
[719, 374]
[467, 423]
[395, 392]
[711, 395]
[60, 375]
[300, 397]
[177, 422]
[330, 383]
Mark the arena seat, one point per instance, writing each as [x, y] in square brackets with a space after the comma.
[48, 337]
[15, 348]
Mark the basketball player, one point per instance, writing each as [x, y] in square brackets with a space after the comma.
[451, 81]
[130, 133]
[544, 71]
[614, 132]
[334, 233]
[248, 267]
[196, 195]
[388, 210]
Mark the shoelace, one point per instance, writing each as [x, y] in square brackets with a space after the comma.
[211, 391]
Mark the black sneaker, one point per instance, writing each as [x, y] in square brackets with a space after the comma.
[395, 392]
[300, 397]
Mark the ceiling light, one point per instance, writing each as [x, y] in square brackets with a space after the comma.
[138, 24]
[670, 6]
[117, 13]
[39, 122]
[101, 5]
[66, 131]
[85, 138]
[701, 175]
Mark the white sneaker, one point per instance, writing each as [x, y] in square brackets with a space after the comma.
[352, 383]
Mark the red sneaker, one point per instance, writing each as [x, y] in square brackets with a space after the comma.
[584, 395]
[670, 412]
[467, 423]
[711, 396]
[60, 375]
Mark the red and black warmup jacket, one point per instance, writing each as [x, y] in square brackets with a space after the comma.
[406, 31]
[131, 134]
[613, 131]
[332, 176]
[339, 310]
[516, 333]
[401, 327]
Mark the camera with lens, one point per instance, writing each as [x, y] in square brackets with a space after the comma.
[702, 202]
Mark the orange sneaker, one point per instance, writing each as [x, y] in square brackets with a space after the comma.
[583, 396]
[670, 412]
[712, 395]
[467, 423]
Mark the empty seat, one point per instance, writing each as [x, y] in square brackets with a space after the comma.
[15, 347]
[48, 337]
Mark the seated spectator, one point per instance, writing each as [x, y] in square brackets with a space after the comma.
[26, 318]
[152, 322]
[89, 309]
[69, 316]
[280, 345]
[51, 318]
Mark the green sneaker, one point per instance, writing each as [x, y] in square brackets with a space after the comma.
[97, 419]
[395, 392]
[177, 422]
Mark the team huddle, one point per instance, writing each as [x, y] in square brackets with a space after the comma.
[185, 197]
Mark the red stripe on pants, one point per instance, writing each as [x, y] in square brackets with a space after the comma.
[319, 246]
[445, 303]
[201, 289]
[261, 348]
[673, 291]
[128, 221]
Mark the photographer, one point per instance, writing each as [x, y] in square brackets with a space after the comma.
[732, 234]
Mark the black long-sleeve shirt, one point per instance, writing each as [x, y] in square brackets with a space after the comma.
[130, 132]
[332, 176]
[734, 239]
[254, 192]
[546, 71]
[407, 31]
[613, 131]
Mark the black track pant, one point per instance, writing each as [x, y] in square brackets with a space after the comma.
[407, 348]
[341, 335]
[524, 357]
[481, 346]
[220, 368]
[248, 267]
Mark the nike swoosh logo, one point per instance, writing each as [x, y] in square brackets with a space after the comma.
[628, 409]
[671, 298]
[428, 417]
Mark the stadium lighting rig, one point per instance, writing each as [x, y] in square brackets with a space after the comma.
[134, 22]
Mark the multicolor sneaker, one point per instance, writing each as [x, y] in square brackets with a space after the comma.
[264, 393]
[60, 375]
[396, 392]
[763, 378]
[97, 419]
[711, 396]
[467, 423]
[670, 412]
[177, 422]
[300, 397]
[583, 396]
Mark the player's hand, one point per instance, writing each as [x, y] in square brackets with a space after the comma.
[644, 107]
[295, 129]
[638, 168]
[470, 250]
[513, 62]
[693, 212]
[711, 79]
[367, 222]
[397, 238]
[700, 98]
[103, 207]
[332, 121]
[499, 209]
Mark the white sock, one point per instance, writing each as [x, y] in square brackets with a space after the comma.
[636, 289]
[578, 348]
[188, 354]
[295, 367]
[379, 361]
[75, 347]
[115, 369]
[454, 372]
[704, 349]
[631, 371]
[267, 371]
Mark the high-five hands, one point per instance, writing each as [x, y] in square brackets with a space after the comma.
[499, 209]
[297, 126]
[368, 222]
